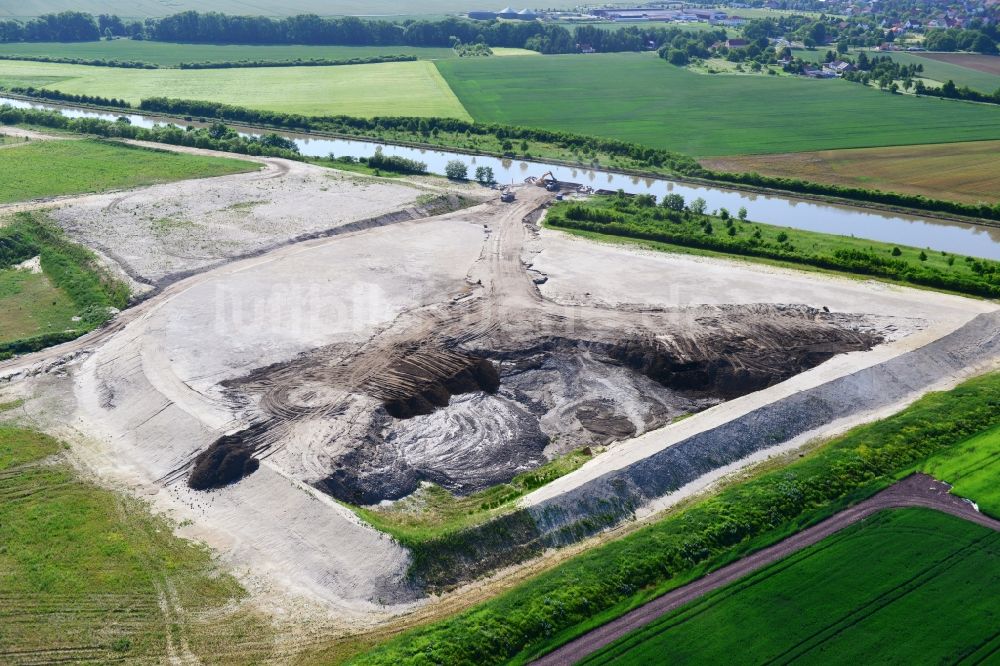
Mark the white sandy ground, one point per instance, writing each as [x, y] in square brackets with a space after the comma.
[148, 397]
[618, 274]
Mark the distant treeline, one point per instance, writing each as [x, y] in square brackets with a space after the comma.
[135, 64]
[57, 96]
[215, 28]
[216, 137]
[299, 62]
[93, 62]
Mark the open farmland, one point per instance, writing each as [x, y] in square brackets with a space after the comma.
[967, 171]
[973, 468]
[51, 168]
[645, 100]
[372, 8]
[955, 66]
[924, 578]
[88, 575]
[387, 89]
[166, 54]
[982, 63]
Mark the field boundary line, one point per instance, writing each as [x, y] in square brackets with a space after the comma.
[916, 490]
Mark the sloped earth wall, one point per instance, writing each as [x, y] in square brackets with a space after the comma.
[613, 497]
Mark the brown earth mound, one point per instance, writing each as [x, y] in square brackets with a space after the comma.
[225, 462]
[428, 390]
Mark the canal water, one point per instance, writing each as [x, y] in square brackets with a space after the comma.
[924, 232]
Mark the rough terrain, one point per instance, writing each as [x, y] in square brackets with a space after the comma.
[460, 349]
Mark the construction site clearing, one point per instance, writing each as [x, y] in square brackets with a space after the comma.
[309, 340]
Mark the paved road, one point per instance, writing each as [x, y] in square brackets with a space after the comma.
[917, 490]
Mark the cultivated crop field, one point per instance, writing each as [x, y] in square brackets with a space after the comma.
[959, 67]
[643, 99]
[89, 575]
[387, 89]
[52, 168]
[167, 54]
[967, 171]
[915, 575]
[976, 61]
[973, 468]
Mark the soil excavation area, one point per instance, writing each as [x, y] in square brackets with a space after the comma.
[458, 349]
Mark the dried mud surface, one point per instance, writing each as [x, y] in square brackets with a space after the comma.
[161, 233]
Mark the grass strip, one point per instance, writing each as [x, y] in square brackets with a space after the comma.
[640, 219]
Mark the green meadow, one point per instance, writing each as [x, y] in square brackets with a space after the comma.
[973, 469]
[90, 576]
[386, 89]
[909, 586]
[52, 168]
[640, 98]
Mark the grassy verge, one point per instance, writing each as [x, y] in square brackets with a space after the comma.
[973, 468]
[54, 168]
[432, 512]
[605, 582]
[39, 309]
[839, 600]
[640, 219]
[87, 575]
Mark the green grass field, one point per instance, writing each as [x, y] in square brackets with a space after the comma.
[388, 89]
[52, 168]
[90, 576]
[170, 55]
[909, 586]
[973, 469]
[31, 305]
[942, 71]
[638, 97]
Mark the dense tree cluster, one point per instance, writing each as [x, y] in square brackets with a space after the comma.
[64, 27]
[309, 29]
[982, 40]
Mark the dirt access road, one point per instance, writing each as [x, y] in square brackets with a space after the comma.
[917, 490]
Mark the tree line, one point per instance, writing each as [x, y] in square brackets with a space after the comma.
[216, 137]
[689, 226]
[309, 29]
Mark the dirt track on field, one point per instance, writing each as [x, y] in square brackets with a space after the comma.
[917, 490]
